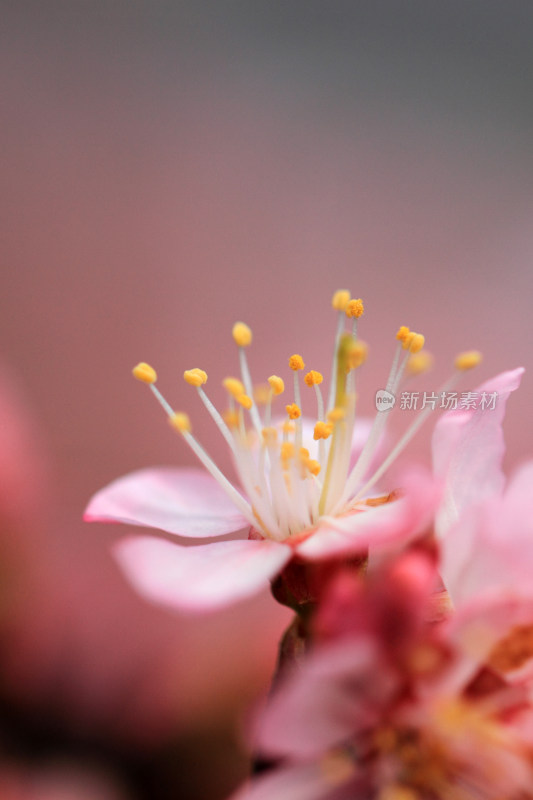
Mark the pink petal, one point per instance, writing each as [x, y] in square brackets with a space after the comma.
[388, 525]
[300, 782]
[336, 693]
[187, 502]
[201, 577]
[468, 448]
[490, 548]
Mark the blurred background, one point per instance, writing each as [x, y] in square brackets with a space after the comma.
[170, 167]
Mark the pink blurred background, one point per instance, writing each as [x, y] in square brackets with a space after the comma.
[170, 167]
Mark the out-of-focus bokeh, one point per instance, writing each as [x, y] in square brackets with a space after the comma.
[169, 167]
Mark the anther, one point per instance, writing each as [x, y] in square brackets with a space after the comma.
[340, 299]
[276, 384]
[323, 430]
[234, 386]
[357, 354]
[336, 414]
[144, 373]
[195, 377]
[262, 394]
[416, 343]
[419, 363]
[231, 418]
[403, 333]
[468, 360]
[180, 422]
[242, 334]
[244, 401]
[313, 466]
[296, 362]
[314, 378]
[354, 309]
[293, 411]
[270, 436]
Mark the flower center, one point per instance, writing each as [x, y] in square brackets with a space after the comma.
[288, 489]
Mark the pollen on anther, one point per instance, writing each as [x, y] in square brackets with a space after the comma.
[416, 342]
[355, 308]
[180, 422]
[144, 373]
[296, 362]
[234, 386]
[403, 333]
[293, 411]
[313, 466]
[322, 430]
[242, 334]
[313, 378]
[276, 384]
[195, 377]
[468, 360]
[244, 401]
[340, 299]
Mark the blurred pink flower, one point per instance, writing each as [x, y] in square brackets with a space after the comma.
[81, 650]
[383, 707]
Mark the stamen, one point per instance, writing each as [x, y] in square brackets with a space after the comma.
[245, 401]
[180, 422]
[340, 300]
[276, 384]
[354, 310]
[296, 363]
[234, 386]
[242, 336]
[195, 377]
[418, 363]
[144, 373]
[468, 360]
[314, 378]
[293, 411]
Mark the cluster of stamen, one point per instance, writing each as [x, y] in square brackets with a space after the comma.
[288, 490]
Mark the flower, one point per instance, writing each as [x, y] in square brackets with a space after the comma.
[384, 707]
[303, 494]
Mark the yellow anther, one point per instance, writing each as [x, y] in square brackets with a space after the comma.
[357, 354]
[293, 411]
[262, 394]
[336, 414]
[180, 422]
[196, 377]
[313, 466]
[287, 451]
[468, 360]
[145, 373]
[245, 401]
[313, 378]
[407, 339]
[403, 333]
[340, 299]
[231, 418]
[234, 386]
[288, 427]
[416, 342]
[304, 453]
[419, 362]
[276, 384]
[296, 362]
[270, 436]
[242, 334]
[355, 308]
[322, 430]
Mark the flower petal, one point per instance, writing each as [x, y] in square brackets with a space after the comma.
[298, 782]
[337, 692]
[490, 548]
[468, 449]
[187, 502]
[391, 524]
[202, 577]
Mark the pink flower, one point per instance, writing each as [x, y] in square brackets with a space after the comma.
[306, 490]
[384, 708]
